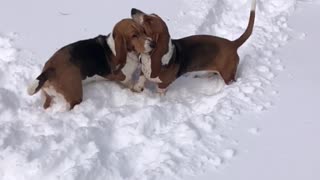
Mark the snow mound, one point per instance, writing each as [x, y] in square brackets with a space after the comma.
[116, 134]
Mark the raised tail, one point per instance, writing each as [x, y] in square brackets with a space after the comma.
[39, 82]
[243, 38]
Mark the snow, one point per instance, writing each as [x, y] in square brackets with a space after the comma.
[286, 146]
[117, 134]
[254, 131]
[229, 153]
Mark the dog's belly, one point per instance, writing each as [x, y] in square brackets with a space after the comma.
[92, 79]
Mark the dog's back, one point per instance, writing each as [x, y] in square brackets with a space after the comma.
[91, 56]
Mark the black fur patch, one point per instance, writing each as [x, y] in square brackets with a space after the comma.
[93, 56]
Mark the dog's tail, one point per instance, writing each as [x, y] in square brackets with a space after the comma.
[249, 29]
[39, 82]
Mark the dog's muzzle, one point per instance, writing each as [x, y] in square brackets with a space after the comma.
[149, 45]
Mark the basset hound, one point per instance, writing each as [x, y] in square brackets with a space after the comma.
[174, 57]
[114, 57]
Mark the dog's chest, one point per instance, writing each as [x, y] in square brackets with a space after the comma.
[130, 66]
[146, 68]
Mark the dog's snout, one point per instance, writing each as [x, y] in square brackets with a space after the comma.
[149, 45]
[152, 44]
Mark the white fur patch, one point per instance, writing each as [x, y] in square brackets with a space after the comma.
[130, 67]
[32, 88]
[58, 98]
[166, 58]
[253, 5]
[146, 68]
[141, 19]
[111, 43]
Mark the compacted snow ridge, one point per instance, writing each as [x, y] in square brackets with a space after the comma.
[117, 134]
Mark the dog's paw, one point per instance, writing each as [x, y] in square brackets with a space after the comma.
[161, 92]
[137, 88]
[127, 84]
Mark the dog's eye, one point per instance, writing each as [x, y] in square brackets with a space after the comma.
[134, 36]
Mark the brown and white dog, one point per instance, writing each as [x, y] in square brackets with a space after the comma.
[114, 57]
[173, 58]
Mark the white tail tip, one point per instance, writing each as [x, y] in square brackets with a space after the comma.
[32, 88]
[253, 5]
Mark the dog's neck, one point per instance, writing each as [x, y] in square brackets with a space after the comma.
[107, 43]
[111, 43]
[103, 41]
[168, 56]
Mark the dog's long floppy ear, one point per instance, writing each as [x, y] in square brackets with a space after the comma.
[156, 57]
[120, 48]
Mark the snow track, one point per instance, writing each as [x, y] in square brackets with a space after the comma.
[116, 134]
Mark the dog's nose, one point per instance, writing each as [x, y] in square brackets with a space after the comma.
[135, 11]
[152, 44]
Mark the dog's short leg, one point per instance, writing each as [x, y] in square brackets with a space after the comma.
[71, 89]
[139, 86]
[228, 77]
[74, 103]
[47, 101]
[161, 92]
[162, 88]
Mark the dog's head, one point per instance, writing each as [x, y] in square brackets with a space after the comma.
[130, 36]
[157, 29]
[152, 24]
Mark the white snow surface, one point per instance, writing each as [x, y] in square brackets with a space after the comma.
[117, 134]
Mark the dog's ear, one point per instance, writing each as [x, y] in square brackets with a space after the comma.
[156, 57]
[137, 15]
[120, 48]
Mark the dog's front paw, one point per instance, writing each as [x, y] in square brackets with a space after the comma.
[161, 92]
[137, 88]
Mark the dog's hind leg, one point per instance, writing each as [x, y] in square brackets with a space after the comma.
[229, 75]
[47, 101]
[71, 87]
[73, 95]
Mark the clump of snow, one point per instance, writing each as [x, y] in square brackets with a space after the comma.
[118, 134]
[229, 153]
[254, 131]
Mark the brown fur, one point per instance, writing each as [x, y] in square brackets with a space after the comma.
[193, 53]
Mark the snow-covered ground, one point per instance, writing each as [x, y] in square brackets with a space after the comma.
[287, 145]
[261, 127]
